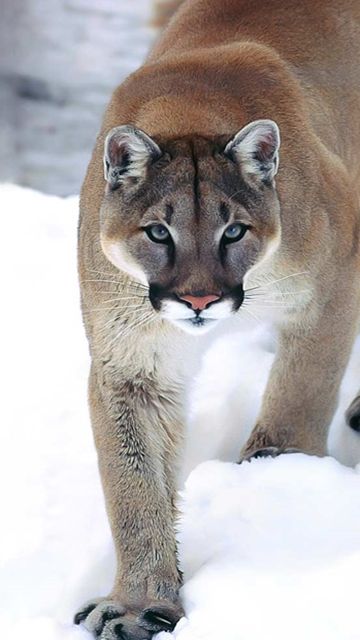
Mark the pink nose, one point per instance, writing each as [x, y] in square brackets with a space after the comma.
[199, 303]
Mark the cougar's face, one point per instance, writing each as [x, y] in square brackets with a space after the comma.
[188, 221]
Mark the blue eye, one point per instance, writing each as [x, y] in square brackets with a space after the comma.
[157, 233]
[234, 232]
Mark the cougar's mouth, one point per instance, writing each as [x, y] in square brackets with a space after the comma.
[196, 313]
[195, 324]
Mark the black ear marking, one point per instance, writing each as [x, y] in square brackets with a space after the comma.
[127, 154]
[256, 149]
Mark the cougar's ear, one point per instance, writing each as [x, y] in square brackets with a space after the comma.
[127, 154]
[256, 148]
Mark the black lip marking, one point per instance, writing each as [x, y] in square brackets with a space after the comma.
[158, 293]
[354, 423]
[237, 294]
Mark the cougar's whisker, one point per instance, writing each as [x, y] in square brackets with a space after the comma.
[271, 306]
[149, 318]
[104, 309]
[119, 276]
[124, 293]
[115, 275]
[276, 303]
[268, 284]
[259, 294]
[250, 313]
[124, 287]
[128, 328]
[121, 299]
[110, 273]
[118, 308]
[113, 319]
[100, 280]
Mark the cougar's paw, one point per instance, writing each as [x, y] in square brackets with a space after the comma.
[267, 452]
[108, 619]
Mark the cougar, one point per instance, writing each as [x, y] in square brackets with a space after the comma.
[226, 166]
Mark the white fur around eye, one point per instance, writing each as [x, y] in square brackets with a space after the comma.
[121, 259]
[263, 266]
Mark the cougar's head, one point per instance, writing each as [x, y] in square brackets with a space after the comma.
[191, 217]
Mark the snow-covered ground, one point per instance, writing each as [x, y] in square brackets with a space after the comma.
[270, 549]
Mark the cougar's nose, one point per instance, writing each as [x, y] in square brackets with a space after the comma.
[199, 303]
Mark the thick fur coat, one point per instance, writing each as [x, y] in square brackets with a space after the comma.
[230, 159]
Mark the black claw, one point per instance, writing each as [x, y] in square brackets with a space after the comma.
[118, 631]
[78, 617]
[128, 631]
[266, 452]
[269, 452]
[153, 621]
[109, 614]
[159, 619]
[83, 614]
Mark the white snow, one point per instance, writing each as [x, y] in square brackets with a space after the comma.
[270, 549]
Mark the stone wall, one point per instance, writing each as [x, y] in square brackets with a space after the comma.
[59, 62]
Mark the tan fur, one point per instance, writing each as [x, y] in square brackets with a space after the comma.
[219, 65]
[163, 10]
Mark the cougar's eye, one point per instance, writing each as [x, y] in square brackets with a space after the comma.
[234, 232]
[157, 233]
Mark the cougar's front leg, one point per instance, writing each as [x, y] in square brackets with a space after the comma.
[137, 436]
[301, 394]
